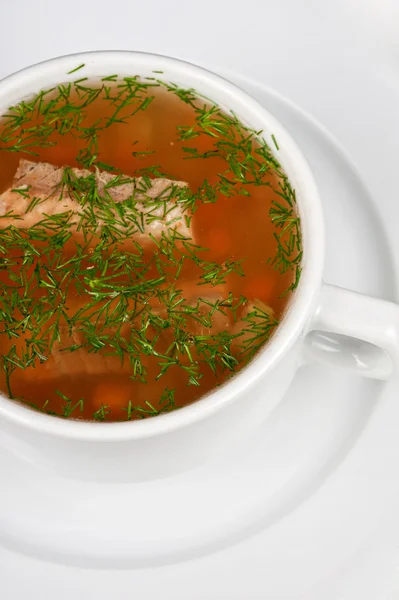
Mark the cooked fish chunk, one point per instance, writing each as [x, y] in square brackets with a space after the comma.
[41, 189]
[72, 355]
[209, 300]
[259, 315]
[208, 316]
[65, 360]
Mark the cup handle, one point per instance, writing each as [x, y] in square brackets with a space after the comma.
[355, 331]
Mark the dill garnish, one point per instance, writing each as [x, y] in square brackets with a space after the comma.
[82, 282]
[275, 142]
[76, 69]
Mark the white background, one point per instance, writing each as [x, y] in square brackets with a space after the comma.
[340, 61]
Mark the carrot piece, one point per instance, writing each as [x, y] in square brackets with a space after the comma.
[113, 395]
[259, 286]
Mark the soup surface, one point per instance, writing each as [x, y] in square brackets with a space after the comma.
[149, 244]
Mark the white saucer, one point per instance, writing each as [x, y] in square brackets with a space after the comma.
[224, 502]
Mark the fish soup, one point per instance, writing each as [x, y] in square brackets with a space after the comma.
[149, 245]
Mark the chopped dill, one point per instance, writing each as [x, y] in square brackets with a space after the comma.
[275, 142]
[76, 69]
[129, 306]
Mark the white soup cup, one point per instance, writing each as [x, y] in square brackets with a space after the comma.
[320, 316]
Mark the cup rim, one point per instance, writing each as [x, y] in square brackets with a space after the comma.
[294, 321]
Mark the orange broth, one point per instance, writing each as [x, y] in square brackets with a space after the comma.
[236, 227]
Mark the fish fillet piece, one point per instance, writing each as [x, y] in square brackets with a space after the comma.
[206, 298]
[63, 362]
[152, 200]
[257, 310]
